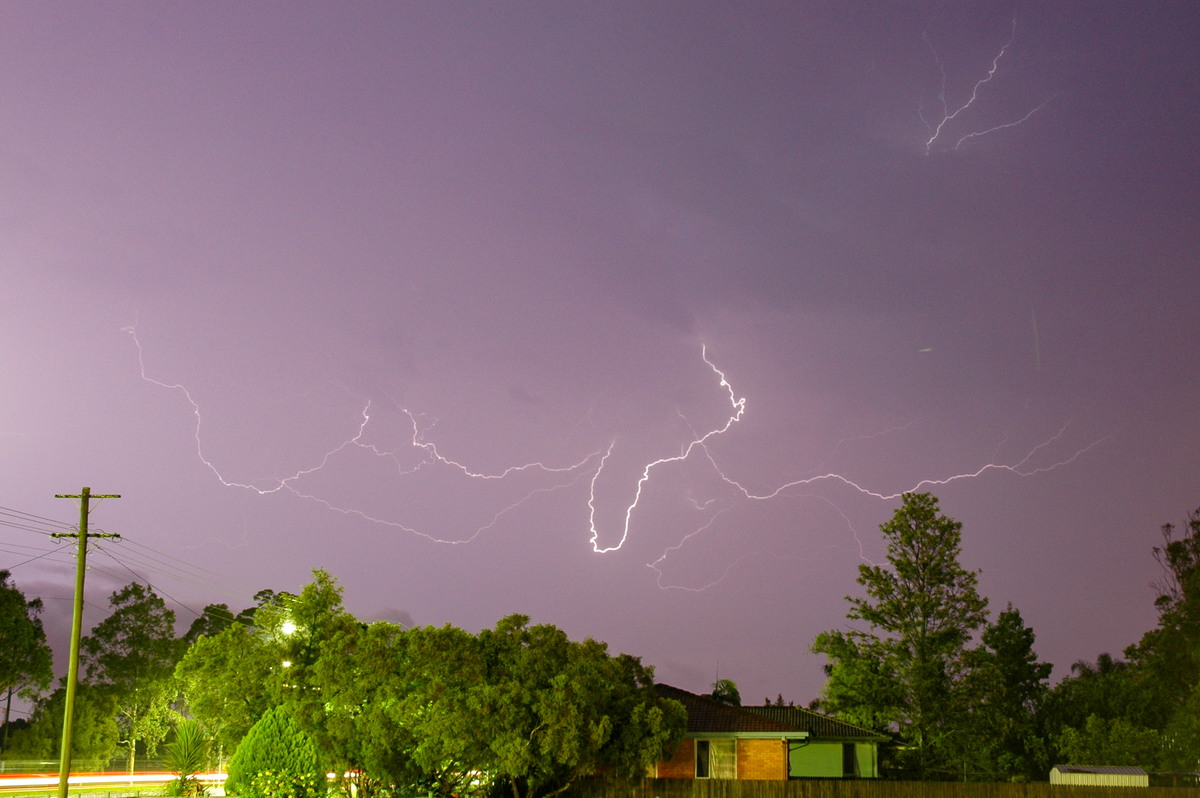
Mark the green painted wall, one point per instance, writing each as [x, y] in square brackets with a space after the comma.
[824, 760]
[816, 760]
[867, 764]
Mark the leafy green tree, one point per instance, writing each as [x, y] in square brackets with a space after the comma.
[366, 681]
[906, 671]
[725, 691]
[232, 674]
[95, 738]
[553, 710]
[229, 680]
[131, 654]
[305, 626]
[1009, 689]
[1165, 663]
[213, 620]
[25, 658]
[518, 708]
[276, 759]
[1114, 742]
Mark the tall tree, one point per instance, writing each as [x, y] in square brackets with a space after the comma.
[231, 676]
[1166, 661]
[905, 670]
[213, 620]
[131, 654]
[1010, 687]
[229, 680]
[25, 659]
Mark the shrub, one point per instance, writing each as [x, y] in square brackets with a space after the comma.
[186, 756]
[276, 759]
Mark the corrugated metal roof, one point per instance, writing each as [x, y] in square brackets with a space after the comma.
[1109, 770]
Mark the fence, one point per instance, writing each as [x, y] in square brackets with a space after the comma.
[722, 788]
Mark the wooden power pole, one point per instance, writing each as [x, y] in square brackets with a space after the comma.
[64, 761]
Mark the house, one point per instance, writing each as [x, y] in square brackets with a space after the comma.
[1099, 776]
[728, 742]
[833, 749]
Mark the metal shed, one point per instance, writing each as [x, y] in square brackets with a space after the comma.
[1102, 776]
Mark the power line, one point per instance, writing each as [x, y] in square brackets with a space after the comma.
[45, 519]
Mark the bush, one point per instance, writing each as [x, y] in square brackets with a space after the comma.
[186, 756]
[276, 759]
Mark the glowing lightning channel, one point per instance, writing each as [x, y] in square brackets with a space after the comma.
[572, 474]
[739, 407]
[430, 457]
[935, 130]
[1021, 468]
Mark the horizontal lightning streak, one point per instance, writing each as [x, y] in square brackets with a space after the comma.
[700, 442]
[431, 457]
[593, 465]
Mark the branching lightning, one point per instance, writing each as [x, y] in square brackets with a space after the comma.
[700, 443]
[739, 407]
[935, 128]
[430, 456]
[593, 465]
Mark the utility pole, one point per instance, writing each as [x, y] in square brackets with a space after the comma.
[64, 760]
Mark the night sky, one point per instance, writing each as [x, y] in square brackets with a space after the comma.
[430, 295]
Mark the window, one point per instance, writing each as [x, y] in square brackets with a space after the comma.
[849, 761]
[716, 759]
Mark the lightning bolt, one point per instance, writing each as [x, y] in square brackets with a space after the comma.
[738, 406]
[429, 457]
[591, 465]
[935, 129]
[699, 443]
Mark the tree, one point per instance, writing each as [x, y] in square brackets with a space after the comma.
[906, 671]
[521, 708]
[374, 724]
[213, 620]
[262, 659]
[1009, 689]
[228, 680]
[95, 737]
[725, 691]
[305, 626]
[554, 710]
[1115, 742]
[131, 654]
[1165, 664]
[25, 658]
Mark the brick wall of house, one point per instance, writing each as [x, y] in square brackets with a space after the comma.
[761, 759]
[682, 765]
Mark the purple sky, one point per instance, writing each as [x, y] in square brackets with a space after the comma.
[258, 244]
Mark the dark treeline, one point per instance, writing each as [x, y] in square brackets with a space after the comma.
[964, 694]
[294, 686]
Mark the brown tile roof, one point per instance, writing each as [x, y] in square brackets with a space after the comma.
[708, 715]
[817, 725]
